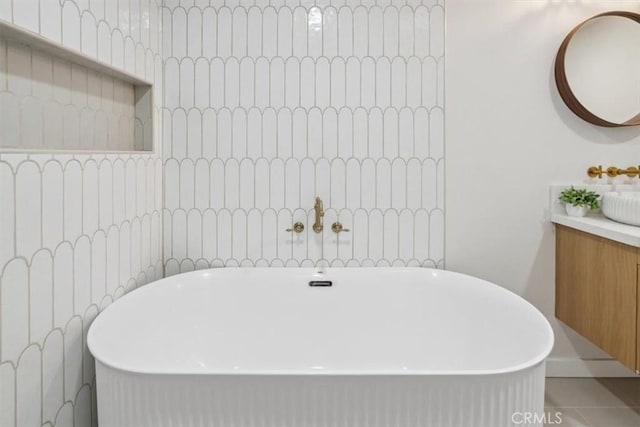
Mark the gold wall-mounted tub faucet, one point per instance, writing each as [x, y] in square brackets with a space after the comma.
[318, 207]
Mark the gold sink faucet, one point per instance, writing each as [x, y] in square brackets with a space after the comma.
[318, 207]
[612, 171]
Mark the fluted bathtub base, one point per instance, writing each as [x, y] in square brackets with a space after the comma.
[139, 400]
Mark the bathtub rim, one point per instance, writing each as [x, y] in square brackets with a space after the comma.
[330, 374]
[539, 358]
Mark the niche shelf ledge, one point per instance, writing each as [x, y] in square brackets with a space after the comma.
[56, 99]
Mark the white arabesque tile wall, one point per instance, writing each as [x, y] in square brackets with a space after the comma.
[76, 230]
[268, 104]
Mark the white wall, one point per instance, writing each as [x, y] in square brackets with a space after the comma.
[267, 106]
[508, 137]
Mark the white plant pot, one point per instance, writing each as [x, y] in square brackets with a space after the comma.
[576, 210]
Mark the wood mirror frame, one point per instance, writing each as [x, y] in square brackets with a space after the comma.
[563, 85]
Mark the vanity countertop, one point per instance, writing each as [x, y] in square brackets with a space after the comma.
[595, 223]
[601, 226]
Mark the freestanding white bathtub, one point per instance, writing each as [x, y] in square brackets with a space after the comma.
[381, 347]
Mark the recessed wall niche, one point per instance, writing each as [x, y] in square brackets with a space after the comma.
[52, 98]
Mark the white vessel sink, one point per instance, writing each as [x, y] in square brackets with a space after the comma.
[622, 206]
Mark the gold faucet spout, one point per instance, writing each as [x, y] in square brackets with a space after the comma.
[318, 207]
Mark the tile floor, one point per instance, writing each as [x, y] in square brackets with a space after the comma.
[600, 402]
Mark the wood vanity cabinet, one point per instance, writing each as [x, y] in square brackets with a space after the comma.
[598, 292]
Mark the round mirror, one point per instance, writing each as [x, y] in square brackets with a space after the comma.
[598, 69]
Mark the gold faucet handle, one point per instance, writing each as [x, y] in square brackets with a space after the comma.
[336, 227]
[298, 227]
[594, 171]
[633, 171]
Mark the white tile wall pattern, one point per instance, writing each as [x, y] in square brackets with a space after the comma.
[77, 231]
[268, 104]
[264, 106]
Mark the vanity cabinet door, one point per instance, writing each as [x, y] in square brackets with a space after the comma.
[638, 318]
[597, 291]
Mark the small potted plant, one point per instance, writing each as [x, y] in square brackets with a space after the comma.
[578, 202]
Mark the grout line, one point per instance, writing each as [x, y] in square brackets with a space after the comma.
[582, 416]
